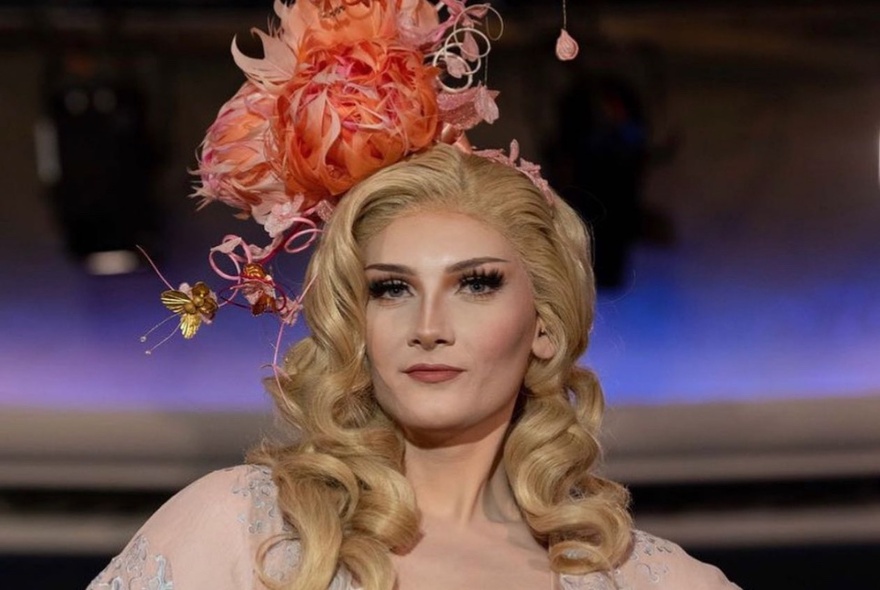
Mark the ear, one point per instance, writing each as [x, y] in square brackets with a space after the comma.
[543, 346]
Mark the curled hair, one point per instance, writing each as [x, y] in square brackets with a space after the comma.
[341, 485]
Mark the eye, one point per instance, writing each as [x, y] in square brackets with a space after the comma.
[481, 282]
[388, 289]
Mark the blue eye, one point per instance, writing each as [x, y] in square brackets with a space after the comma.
[388, 289]
[481, 282]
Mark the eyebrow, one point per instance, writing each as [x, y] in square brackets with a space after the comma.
[457, 267]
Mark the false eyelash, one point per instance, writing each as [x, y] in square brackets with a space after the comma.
[380, 287]
[491, 279]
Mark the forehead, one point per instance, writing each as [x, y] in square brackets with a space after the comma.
[439, 237]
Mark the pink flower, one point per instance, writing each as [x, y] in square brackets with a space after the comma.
[350, 110]
[468, 108]
[233, 165]
[344, 90]
[317, 23]
[281, 216]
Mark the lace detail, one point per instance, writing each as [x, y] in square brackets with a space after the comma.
[645, 547]
[258, 487]
[281, 560]
[594, 581]
[262, 518]
[135, 569]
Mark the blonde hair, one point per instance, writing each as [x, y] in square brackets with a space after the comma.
[341, 485]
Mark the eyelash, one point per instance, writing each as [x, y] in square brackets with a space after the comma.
[380, 288]
[489, 281]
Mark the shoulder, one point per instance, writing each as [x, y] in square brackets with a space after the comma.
[224, 499]
[231, 480]
[653, 564]
[247, 488]
[658, 563]
[223, 518]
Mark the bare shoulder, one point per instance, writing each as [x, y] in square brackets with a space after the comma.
[660, 564]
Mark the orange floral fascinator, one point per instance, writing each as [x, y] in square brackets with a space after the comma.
[343, 89]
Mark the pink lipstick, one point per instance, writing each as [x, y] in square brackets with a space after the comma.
[433, 373]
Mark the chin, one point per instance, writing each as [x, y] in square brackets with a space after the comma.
[421, 426]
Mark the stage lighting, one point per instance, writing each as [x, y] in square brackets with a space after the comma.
[96, 159]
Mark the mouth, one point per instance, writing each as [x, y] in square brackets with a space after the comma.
[433, 373]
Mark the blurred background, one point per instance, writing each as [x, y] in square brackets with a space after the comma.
[724, 153]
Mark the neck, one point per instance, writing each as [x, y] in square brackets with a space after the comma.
[463, 482]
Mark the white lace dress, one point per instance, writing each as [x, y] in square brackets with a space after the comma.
[207, 537]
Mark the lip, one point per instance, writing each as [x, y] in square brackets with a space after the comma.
[433, 373]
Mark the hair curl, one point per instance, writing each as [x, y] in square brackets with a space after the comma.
[341, 485]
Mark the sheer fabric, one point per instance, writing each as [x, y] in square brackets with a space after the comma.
[208, 536]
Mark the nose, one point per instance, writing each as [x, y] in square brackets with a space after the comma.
[432, 327]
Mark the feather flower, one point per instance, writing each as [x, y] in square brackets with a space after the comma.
[332, 100]
[308, 23]
[233, 166]
[468, 108]
[351, 110]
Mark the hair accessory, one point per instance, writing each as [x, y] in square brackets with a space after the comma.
[344, 88]
[566, 46]
[191, 305]
[513, 159]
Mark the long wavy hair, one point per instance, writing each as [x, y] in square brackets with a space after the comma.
[341, 484]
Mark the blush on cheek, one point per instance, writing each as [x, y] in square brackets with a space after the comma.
[505, 338]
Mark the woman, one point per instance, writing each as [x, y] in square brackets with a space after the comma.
[445, 435]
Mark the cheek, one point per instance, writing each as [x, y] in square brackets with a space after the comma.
[379, 335]
[503, 335]
[379, 342]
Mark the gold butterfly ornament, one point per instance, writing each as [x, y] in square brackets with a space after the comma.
[194, 305]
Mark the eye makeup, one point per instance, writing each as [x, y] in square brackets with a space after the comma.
[481, 282]
[388, 288]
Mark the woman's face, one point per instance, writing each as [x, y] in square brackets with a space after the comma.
[451, 325]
